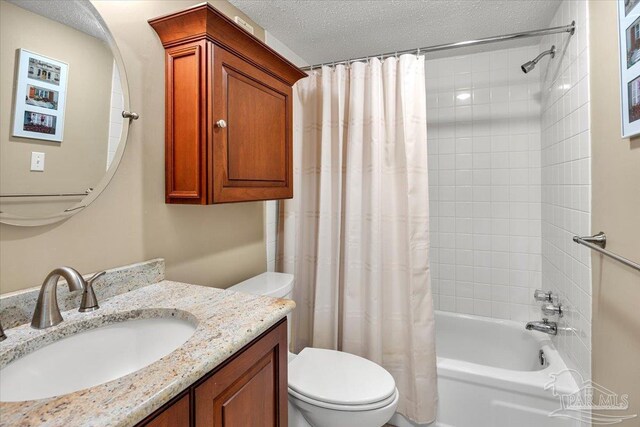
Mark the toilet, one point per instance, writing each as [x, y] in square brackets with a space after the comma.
[329, 388]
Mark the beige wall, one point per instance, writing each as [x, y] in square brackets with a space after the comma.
[80, 160]
[616, 210]
[129, 222]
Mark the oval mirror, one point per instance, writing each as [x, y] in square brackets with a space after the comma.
[63, 91]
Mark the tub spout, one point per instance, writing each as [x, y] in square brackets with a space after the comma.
[545, 326]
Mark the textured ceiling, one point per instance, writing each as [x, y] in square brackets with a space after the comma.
[330, 30]
[78, 14]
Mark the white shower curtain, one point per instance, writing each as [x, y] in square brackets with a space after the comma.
[356, 233]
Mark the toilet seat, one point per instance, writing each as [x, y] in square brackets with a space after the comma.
[348, 408]
[340, 381]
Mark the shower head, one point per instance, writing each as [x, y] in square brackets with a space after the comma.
[530, 65]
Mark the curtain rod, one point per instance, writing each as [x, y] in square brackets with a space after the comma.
[571, 29]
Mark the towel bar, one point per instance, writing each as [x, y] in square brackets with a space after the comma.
[598, 242]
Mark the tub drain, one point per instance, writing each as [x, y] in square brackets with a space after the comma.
[542, 358]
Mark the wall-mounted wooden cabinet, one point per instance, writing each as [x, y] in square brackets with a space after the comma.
[229, 112]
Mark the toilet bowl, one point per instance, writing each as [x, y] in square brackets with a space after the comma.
[329, 388]
[332, 388]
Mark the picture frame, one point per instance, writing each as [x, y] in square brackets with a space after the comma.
[629, 45]
[41, 92]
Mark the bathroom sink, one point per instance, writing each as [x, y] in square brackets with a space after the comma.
[92, 357]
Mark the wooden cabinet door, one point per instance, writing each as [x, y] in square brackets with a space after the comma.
[252, 155]
[176, 415]
[185, 119]
[251, 390]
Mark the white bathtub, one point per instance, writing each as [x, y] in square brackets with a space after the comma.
[489, 375]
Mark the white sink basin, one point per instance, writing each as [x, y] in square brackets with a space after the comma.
[91, 358]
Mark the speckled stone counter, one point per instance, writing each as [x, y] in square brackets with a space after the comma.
[226, 321]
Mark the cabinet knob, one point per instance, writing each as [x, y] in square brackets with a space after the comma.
[221, 124]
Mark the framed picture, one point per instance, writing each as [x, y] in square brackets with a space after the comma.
[629, 5]
[629, 31]
[41, 89]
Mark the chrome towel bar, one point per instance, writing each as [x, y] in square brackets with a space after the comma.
[598, 242]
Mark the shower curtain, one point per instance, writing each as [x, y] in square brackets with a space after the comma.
[356, 233]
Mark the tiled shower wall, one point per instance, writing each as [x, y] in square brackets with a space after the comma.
[485, 183]
[510, 183]
[566, 183]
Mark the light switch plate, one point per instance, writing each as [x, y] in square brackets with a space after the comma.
[37, 161]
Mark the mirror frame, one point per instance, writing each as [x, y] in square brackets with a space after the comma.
[7, 218]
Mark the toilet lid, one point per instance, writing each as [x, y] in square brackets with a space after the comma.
[336, 377]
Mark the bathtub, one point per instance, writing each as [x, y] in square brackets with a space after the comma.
[491, 374]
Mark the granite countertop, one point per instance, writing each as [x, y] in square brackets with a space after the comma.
[226, 322]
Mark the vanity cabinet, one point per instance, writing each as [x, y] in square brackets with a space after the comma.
[229, 111]
[248, 390]
[175, 415]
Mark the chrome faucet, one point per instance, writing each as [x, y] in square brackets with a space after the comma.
[47, 312]
[545, 326]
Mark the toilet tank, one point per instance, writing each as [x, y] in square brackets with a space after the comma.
[275, 285]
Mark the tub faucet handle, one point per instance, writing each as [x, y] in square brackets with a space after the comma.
[553, 309]
[541, 295]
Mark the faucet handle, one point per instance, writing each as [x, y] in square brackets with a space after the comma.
[540, 295]
[89, 300]
[552, 309]
[93, 278]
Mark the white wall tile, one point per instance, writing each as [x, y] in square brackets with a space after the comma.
[486, 184]
[566, 183]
